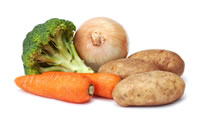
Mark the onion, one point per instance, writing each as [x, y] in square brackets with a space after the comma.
[100, 40]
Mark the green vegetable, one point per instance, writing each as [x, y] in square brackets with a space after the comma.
[49, 47]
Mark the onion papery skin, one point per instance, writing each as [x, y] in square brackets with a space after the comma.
[100, 40]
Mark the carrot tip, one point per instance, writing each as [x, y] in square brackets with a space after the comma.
[91, 90]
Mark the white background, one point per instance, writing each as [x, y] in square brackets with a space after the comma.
[166, 24]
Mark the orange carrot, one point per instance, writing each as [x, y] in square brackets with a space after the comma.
[69, 87]
[103, 82]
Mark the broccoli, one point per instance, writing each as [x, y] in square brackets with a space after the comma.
[49, 47]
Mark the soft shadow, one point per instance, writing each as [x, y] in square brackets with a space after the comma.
[184, 78]
[102, 98]
[178, 101]
[52, 99]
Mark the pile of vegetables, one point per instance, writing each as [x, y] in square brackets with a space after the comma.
[69, 65]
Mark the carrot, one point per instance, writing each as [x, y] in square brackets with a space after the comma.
[69, 87]
[103, 82]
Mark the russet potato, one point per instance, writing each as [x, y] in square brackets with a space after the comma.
[149, 89]
[164, 59]
[126, 67]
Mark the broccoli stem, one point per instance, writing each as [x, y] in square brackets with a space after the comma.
[60, 39]
[63, 56]
[53, 68]
[77, 68]
[75, 63]
[50, 50]
[46, 58]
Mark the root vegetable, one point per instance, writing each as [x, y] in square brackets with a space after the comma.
[70, 87]
[164, 59]
[149, 89]
[103, 82]
[127, 67]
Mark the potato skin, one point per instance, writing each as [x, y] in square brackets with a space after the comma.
[164, 59]
[125, 67]
[149, 89]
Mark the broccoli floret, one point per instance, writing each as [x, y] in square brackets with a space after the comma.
[49, 47]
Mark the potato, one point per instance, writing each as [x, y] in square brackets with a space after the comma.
[126, 67]
[164, 59]
[149, 89]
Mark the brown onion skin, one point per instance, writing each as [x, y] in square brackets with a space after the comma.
[100, 40]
